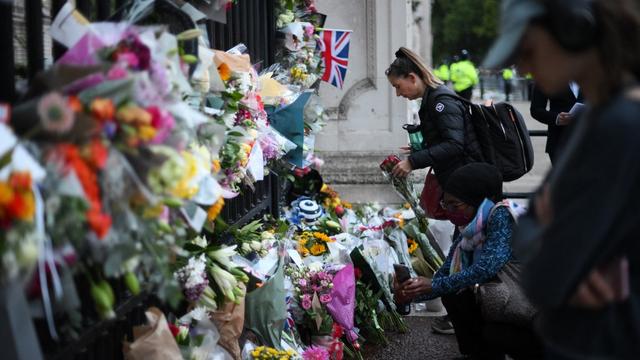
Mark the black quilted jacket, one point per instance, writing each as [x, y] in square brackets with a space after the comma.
[449, 139]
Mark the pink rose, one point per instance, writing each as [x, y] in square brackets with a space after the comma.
[117, 72]
[306, 304]
[302, 282]
[325, 298]
[309, 30]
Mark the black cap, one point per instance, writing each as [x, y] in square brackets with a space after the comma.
[474, 182]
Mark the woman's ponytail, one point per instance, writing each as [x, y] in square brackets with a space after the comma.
[407, 62]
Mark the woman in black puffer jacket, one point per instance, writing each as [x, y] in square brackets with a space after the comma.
[449, 140]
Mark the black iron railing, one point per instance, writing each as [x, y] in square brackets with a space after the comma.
[251, 22]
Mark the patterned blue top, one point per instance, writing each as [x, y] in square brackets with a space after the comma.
[495, 253]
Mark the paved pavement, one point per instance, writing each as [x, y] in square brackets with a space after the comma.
[418, 343]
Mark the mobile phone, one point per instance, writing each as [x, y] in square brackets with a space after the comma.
[402, 273]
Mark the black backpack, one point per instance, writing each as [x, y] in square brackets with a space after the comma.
[503, 137]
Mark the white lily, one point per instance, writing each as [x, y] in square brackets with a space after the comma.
[223, 256]
[200, 241]
[256, 245]
[225, 281]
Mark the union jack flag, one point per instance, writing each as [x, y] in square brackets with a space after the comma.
[334, 48]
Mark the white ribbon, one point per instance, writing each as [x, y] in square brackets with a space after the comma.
[45, 256]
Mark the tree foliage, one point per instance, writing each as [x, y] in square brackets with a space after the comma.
[463, 24]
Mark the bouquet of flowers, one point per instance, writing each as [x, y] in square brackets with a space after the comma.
[210, 276]
[403, 186]
[18, 238]
[431, 249]
[313, 243]
[312, 291]
[268, 353]
[368, 305]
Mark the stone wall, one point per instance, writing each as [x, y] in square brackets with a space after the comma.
[366, 117]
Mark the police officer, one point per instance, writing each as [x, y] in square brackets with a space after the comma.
[442, 71]
[464, 76]
[507, 76]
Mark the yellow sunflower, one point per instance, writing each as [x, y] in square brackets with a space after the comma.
[413, 245]
[318, 249]
[322, 237]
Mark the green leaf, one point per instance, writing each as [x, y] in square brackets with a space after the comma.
[191, 247]
[6, 158]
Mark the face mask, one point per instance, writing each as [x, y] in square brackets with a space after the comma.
[459, 218]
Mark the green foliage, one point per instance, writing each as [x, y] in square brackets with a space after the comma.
[463, 24]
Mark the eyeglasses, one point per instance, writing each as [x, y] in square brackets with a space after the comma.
[451, 206]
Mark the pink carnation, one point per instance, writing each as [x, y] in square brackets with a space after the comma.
[315, 353]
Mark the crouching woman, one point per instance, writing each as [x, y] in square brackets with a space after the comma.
[473, 202]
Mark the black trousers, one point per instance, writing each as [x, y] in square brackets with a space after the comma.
[487, 340]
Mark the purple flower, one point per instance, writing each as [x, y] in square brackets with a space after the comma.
[325, 298]
[110, 129]
[302, 282]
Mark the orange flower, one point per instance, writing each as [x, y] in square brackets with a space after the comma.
[22, 207]
[74, 103]
[99, 222]
[146, 132]
[6, 194]
[103, 109]
[216, 165]
[225, 72]
[215, 209]
[20, 180]
[98, 153]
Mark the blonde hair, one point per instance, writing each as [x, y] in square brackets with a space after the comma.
[407, 62]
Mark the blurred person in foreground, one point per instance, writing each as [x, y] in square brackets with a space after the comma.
[581, 236]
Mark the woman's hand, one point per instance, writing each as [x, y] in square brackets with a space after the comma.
[402, 169]
[414, 287]
[604, 286]
[405, 149]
